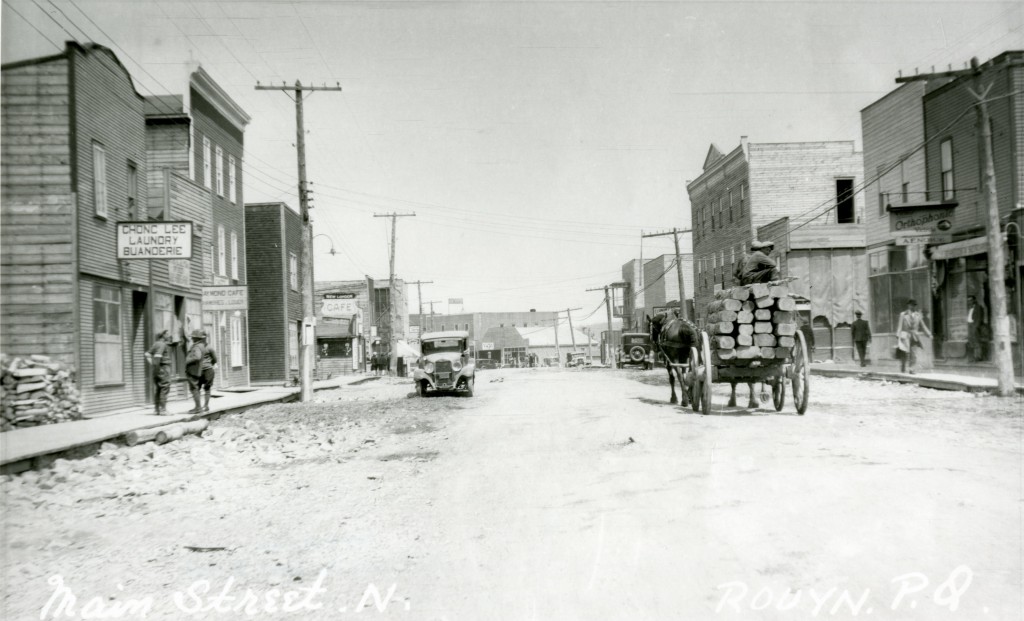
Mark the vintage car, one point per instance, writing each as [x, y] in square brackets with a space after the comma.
[444, 364]
[637, 349]
[577, 359]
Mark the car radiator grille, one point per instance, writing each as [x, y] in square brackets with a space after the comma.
[443, 366]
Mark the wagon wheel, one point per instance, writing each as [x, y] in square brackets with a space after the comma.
[779, 393]
[705, 381]
[693, 375]
[801, 374]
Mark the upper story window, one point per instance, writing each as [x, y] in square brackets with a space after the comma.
[207, 173]
[844, 201]
[219, 166]
[234, 255]
[232, 193]
[946, 159]
[743, 197]
[221, 252]
[732, 202]
[99, 179]
[133, 191]
[293, 271]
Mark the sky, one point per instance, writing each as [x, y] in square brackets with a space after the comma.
[535, 142]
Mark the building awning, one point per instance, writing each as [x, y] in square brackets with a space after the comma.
[962, 248]
[333, 329]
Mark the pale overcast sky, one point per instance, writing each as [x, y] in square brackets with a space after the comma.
[534, 140]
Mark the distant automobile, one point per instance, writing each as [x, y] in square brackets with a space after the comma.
[487, 363]
[445, 364]
[637, 350]
[578, 359]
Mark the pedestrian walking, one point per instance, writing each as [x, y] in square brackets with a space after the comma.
[908, 333]
[861, 336]
[200, 368]
[977, 329]
[159, 359]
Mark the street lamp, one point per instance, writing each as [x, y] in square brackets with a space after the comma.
[331, 251]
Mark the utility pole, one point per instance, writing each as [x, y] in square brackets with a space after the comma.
[393, 290]
[608, 309]
[993, 229]
[306, 361]
[679, 267]
[432, 302]
[419, 296]
[558, 318]
[568, 313]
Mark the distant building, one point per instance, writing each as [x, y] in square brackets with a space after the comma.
[515, 345]
[654, 286]
[805, 197]
[351, 323]
[477, 324]
[273, 238]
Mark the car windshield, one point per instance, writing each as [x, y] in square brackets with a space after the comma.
[443, 345]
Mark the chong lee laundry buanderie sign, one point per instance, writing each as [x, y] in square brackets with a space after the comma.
[154, 240]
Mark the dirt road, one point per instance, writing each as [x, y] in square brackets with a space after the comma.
[548, 495]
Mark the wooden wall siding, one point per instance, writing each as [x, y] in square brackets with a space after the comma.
[827, 236]
[103, 399]
[791, 179]
[942, 107]
[1017, 155]
[892, 127]
[267, 265]
[37, 277]
[293, 243]
[107, 110]
[189, 201]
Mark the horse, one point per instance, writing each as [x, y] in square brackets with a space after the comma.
[674, 337]
[751, 401]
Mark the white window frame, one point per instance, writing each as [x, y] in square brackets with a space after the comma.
[222, 269]
[236, 342]
[207, 173]
[219, 167]
[946, 164]
[293, 271]
[234, 255]
[99, 179]
[107, 346]
[232, 191]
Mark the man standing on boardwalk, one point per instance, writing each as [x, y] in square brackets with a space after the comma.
[200, 367]
[861, 336]
[159, 359]
[975, 330]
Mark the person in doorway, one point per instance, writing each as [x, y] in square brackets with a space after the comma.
[159, 359]
[908, 332]
[200, 368]
[976, 329]
[861, 336]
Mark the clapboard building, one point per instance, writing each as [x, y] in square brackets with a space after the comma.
[73, 165]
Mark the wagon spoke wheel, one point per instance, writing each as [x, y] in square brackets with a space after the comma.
[705, 346]
[801, 374]
[693, 388]
[779, 393]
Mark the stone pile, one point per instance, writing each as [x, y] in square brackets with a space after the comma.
[37, 390]
[752, 322]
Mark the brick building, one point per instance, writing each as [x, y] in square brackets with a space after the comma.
[653, 286]
[74, 164]
[928, 213]
[273, 244]
[807, 192]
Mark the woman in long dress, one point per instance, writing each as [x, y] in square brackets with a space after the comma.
[908, 331]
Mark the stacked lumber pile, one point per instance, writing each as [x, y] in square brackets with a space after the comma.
[37, 391]
[751, 322]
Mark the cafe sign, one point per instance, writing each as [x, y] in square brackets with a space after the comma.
[339, 305]
[229, 298]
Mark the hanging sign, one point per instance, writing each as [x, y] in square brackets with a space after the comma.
[154, 240]
[339, 305]
[226, 298]
[922, 219]
[911, 238]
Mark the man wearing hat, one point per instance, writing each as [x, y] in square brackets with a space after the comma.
[200, 365]
[861, 336]
[758, 266]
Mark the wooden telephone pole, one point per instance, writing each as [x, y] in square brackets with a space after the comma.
[419, 297]
[393, 290]
[679, 267]
[993, 229]
[558, 318]
[306, 361]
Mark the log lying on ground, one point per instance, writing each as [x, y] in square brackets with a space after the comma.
[166, 432]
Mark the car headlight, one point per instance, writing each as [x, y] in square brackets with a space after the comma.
[429, 367]
[456, 366]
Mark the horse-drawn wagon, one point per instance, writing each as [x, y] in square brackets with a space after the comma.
[751, 335]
